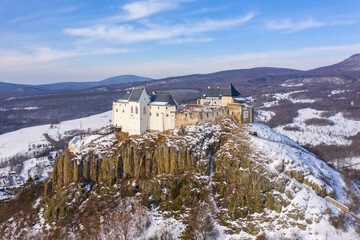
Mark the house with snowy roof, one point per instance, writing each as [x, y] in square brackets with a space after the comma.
[137, 111]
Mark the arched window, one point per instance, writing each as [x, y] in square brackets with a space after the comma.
[136, 110]
[144, 109]
[132, 109]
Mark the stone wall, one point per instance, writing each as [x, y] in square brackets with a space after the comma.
[243, 113]
[337, 204]
[199, 114]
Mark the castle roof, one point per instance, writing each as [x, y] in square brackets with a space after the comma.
[132, 96]
[219, 92]
[162, 99]
[155, 98]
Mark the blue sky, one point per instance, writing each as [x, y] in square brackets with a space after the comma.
[63, 40]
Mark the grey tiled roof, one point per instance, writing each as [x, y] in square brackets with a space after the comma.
[125, 96]
[162, 99]
[132, 96]
[135, 95]
[218, 92]
[155, 98]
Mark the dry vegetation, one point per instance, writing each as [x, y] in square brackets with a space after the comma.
[319, 122]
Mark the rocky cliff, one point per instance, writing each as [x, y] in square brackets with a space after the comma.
[246, 172]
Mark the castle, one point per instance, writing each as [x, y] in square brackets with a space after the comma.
[137, 111]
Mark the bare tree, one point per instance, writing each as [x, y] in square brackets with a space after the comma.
[201, 224]
[129, 220]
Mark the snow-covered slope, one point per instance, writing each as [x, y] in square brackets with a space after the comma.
[18, 142]
[315, 135]
[20, 151]
[292, 181]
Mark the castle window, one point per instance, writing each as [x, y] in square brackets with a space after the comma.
[123, 110]
[144, 109]
[166, 107]
[157, 114]
[136, 110]
[158, 107]
[116, 110]
[132, 109]
[149, 114]
[167, 115]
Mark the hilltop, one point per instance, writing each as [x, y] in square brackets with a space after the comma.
[216, 180]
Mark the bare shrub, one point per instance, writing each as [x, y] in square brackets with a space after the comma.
[262, 236]
[22, 203]
[319, 122]
[327, 114]
[200, 224]
[339, 221]
[292, 128]
[128, 221]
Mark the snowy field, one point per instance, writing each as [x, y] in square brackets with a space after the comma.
[281, 96]
[315, 135]
[18, 142]
[264, 116]
[23, 141]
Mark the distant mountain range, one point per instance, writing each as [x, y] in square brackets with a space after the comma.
[343, 72]
[13, 89]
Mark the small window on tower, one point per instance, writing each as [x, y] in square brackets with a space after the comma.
[116, 110]
[132, 109]
[123, 110]
[167, 115]
[136, 110]
[157, 114]
[144, 109]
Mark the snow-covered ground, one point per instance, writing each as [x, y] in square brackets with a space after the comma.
[287, 95]
[293, 157]
[30, 141]
[264, 116]
[334, 92]
[353, 162]
[315, 135]
[18, 142]
[292, 84]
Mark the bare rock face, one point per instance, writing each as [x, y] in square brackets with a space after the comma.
[175, 171]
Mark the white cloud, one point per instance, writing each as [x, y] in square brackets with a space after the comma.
[290, 26]
[151, 32]
[303, 58]
[60, 11]
[44, 54]
[187, 40]
[142, 9]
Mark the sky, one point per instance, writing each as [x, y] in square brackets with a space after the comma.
[72, 40]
